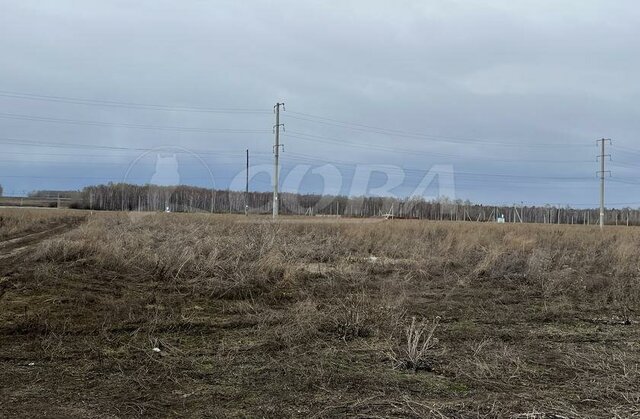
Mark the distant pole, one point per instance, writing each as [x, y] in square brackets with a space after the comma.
[602, 177]
[276, 169]
[602, 184]
[246, 191]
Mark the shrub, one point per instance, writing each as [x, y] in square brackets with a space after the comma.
[414, 353]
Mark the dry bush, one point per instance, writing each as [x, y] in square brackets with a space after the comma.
[354, 316]
[414, 352]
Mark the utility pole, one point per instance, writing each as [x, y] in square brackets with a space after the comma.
[246, 191]
[602, 173]
[276, 152]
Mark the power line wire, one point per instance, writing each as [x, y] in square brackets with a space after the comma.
[32, 143]
[132, 126]
[457, 173]
[129, 105]
[466, 158]
[312, 138]
[405, 134]
[218, 154]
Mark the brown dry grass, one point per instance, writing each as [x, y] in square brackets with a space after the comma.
[15, 222]
[300, 318]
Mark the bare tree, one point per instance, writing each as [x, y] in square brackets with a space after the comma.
[128, 197]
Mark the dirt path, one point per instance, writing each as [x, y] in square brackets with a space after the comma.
[15, 246]
[11, 250]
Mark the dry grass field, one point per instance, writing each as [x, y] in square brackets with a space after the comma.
[174, 315]
[17, 222]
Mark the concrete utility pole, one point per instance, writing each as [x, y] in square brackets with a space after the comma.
[602, 173]
[276, 152]
[246, 191]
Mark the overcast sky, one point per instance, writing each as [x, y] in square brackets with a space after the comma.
[511, 95]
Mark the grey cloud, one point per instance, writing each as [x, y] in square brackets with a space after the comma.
[527, 72]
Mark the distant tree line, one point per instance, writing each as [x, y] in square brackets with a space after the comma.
[51, 194]
[129, 197]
